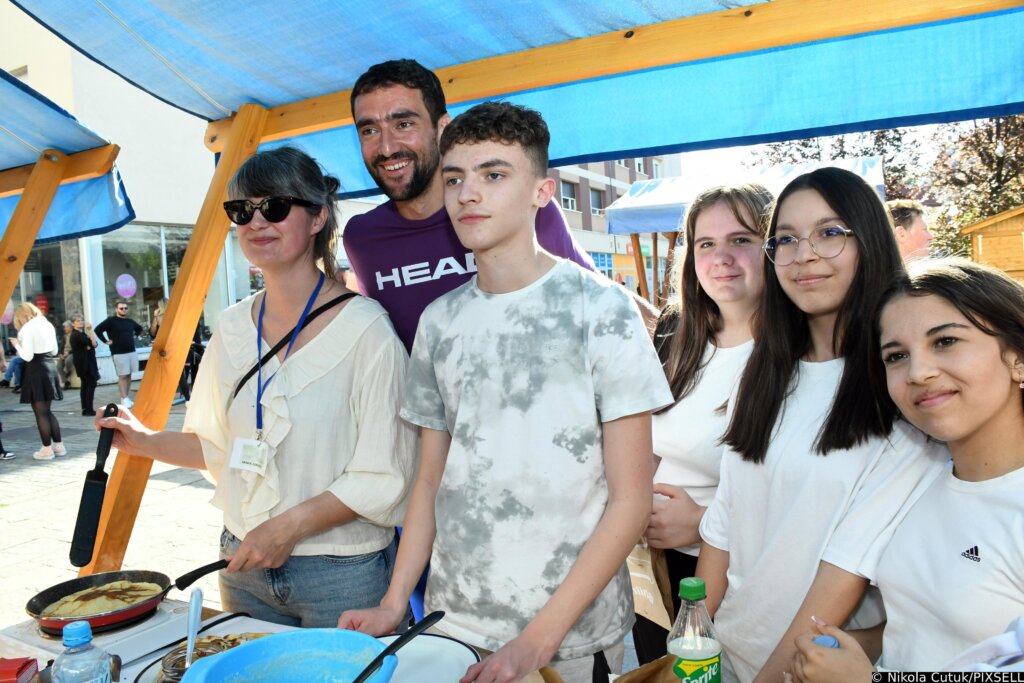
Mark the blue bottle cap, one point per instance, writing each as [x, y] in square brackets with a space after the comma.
[77, 633]
[826, 641]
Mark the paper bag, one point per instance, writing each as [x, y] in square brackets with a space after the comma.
[648, 598]
[658, 671]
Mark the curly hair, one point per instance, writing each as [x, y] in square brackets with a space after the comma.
[502, 122]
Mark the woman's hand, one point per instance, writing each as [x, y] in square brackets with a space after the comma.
[375, 621]
[129, 433]
[520, 656]
[819, 664]
[675, 521]
[267, 546]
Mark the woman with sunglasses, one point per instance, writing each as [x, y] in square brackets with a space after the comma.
[815, 469]
[311, 462]
[950, 353]
[704, 340]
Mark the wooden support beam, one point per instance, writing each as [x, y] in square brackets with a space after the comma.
[717, 34]
[641, 267]
[669, 266]
[655, 291]
[40, 187]
[92, 163]
[153, 403]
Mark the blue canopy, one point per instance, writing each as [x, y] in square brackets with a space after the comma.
[29, 124]
[208, 58]
[660, 204]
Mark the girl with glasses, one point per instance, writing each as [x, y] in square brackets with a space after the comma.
[949, 353]
[704, 340]
[815, 471]
[311, 462]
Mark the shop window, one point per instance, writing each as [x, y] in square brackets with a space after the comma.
[133, 270]
[603, 263]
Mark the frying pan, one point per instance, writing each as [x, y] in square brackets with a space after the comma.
[106, 621]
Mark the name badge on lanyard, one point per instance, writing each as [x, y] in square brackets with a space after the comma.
[254, 454]
[250, 454]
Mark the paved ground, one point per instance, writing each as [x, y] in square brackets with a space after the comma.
[177, 529]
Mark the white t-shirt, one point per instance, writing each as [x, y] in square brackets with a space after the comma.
[523, 382]
[777, 518]
[686, 437]
[953, 574]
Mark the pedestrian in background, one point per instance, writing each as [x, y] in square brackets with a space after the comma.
[37, 346]
[4, 453]
[119, 332]
[83, 352]
[65, 363]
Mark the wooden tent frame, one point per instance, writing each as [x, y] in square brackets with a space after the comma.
[37, 184]
[732, 31]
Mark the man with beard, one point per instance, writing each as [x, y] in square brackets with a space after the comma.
[405, 253]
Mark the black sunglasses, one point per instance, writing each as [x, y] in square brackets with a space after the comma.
[274, 209]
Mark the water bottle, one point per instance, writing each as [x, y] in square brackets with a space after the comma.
[81, 661]
[692, 639]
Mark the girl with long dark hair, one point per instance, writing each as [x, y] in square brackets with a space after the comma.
[704, 339]
[815, 468]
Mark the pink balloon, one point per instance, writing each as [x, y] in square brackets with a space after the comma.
[8, 315]
[125, 285]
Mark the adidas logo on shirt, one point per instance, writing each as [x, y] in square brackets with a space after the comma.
[971, 554]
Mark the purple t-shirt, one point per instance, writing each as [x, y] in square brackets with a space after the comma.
[407, 264]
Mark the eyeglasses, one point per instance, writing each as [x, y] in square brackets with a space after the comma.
[122, 308]
[274, 209]
[826, 242]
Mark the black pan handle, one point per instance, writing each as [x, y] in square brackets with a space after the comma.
[106, 438]
[186, 580]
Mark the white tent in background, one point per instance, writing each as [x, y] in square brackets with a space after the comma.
[660, 205]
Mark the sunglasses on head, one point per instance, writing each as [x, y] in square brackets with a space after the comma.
[274, 209]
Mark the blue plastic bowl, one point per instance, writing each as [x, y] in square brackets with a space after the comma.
[307, 655]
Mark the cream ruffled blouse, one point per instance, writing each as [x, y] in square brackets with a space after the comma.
[330, 418]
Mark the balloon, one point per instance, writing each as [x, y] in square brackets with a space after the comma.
[125, 285]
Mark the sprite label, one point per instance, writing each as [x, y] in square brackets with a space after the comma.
[699, 671]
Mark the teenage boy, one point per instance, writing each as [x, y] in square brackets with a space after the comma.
[405, 252]
[533, 385]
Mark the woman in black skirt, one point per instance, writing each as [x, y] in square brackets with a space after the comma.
[40, 384]
[83, 353]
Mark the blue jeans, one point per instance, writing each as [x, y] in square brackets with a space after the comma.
[310, 591]
[14, 370]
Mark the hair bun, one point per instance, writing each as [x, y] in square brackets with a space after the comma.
[331, 184]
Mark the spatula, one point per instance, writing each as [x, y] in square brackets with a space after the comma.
[396, 645]
[92, 498]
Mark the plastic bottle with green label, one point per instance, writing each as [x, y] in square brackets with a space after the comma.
[692, 639]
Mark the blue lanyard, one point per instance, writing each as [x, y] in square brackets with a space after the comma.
[261, 386]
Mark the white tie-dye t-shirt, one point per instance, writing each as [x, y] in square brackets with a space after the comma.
[523, 382]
